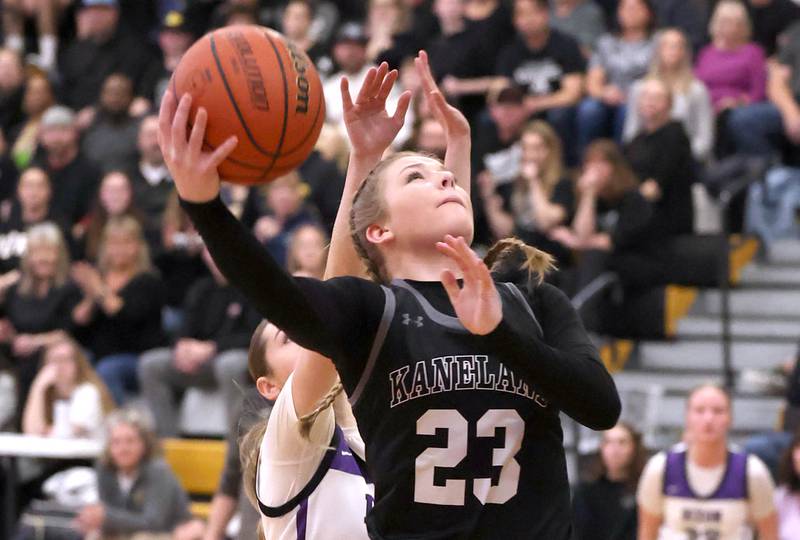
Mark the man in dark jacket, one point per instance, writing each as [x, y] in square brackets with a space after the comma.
[211, 352]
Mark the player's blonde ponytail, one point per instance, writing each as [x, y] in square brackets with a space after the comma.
[511, 255]
[307, 421]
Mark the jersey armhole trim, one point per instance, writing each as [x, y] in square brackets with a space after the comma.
[521, 297]
[308, 489]
[389, 307]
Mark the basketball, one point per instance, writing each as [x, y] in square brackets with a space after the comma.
[259, 86]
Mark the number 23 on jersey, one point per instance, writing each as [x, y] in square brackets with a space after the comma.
[454, 491]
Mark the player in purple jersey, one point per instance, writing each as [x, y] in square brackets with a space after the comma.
[456, 376]
[702, 489]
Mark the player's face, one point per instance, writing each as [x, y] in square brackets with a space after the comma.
[126, 447]
[708, 415]
[616, 450]
[423, 203]
[282, 354]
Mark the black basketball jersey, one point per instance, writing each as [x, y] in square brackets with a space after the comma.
[482, 453]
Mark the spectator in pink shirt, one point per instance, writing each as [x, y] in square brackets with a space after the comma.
[733, 67]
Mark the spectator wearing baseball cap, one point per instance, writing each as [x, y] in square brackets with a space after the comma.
[350, 54]
[74, 179]
[174, 39]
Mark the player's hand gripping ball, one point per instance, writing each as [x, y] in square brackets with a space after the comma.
[261, 87]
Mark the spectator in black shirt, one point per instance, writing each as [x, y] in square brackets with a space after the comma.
[102, 47]
[548, 64]
[773, 126]
[24, 138]
[37, 309]
[611, 227]
[463, 50]
[120, 313]
[539, 199]
[691, 16]
[326, 182]
[30, 207]
[74, 178]
[286, 212]
[151, 182]
[110, 141]
[496, 151]
[770, 18]
[211, 351]
[174, 39]
[12, 80]
[661, 155]
[387, 24]
[605, 508]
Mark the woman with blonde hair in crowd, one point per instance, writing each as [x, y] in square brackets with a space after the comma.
[702, 487]
[37, 310]
[120, 313]
[691, 103]
[605, 508]
[542, 197]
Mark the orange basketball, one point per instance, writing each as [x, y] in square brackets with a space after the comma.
[261, 87]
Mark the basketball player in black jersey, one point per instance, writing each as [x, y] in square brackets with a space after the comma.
[456, 375]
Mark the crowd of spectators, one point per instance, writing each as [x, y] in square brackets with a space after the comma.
[593, 123]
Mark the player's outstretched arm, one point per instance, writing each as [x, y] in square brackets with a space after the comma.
[312, 313]
[456, 127]
[371, 131]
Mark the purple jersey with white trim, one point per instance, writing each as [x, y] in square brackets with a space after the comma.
[720, 515]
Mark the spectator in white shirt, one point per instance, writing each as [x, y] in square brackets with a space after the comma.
[67, 399]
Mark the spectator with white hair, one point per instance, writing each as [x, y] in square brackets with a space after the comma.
[733, 69]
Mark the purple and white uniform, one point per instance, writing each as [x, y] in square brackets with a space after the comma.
[312, 488]
[700, 503]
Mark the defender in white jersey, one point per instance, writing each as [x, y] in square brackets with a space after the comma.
[306, 477]
[703, 490]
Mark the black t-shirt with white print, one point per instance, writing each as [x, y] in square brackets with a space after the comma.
[540, 71]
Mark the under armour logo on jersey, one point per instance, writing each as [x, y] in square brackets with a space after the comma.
[407, 320]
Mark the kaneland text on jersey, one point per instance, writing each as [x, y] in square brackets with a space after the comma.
[455, 373]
